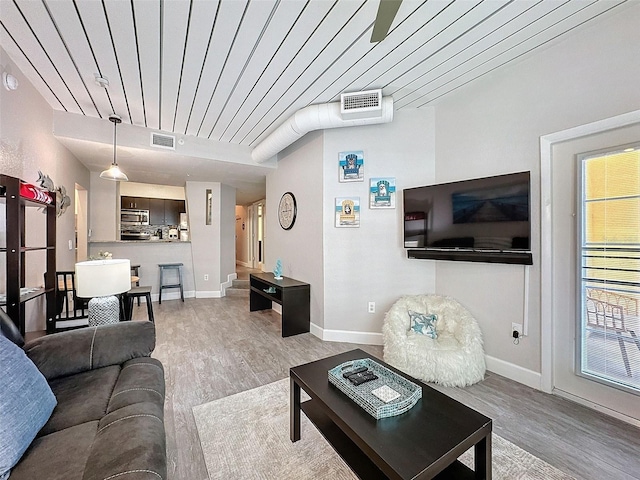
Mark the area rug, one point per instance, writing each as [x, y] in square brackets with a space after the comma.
[246, 436]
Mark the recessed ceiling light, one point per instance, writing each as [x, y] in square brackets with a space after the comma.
[629, 149]
[101, 81]
[9, 81]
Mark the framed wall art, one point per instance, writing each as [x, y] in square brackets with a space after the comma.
[347, 211]
[382, 192]
[351, 166]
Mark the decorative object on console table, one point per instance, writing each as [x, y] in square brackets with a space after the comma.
[101, 280]
[277, 271]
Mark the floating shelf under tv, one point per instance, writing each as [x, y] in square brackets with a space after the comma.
[468, 255]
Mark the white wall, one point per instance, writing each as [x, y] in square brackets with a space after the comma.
[205, 239]
[150, 190]
[348, 267]
[369, 263]
[493, 126]
[227, 232]
[212, 246]
[27, 145]
[104, 200]
[300, 249]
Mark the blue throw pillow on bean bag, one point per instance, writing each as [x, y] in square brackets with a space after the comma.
[26, 403]
[423, 324]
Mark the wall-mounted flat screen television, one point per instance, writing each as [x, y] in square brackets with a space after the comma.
[486, 215]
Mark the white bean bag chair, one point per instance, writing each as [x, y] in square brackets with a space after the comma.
[455, 358]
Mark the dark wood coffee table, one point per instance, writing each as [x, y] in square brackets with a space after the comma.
[424, 442]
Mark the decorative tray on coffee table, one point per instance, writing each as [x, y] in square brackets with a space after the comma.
[401, 394]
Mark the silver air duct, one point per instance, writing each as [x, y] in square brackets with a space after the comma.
[316, 117]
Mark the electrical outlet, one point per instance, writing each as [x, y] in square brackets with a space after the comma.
[206, 277]
[372, 307]
[70, 244]
[516, 327]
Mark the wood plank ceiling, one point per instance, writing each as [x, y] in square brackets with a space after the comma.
[233, 70]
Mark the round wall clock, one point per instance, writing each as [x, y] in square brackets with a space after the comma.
[287, 211]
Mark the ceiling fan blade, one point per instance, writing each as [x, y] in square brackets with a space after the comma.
[386, 13]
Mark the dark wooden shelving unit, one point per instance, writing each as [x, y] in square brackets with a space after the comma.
[15, 251]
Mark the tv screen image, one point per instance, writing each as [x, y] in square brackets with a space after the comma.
[482, 214]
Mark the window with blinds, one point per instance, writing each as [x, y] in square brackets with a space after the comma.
[609, 268]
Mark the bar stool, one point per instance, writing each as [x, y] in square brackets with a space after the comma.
[137, 292]
[169, 266]
[135, 277]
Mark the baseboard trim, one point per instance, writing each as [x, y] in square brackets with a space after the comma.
[223, 287]
[597, 407]
[172, 295]
[209, 294]
[514, 372]
[347, 336]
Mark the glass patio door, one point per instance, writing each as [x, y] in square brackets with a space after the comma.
[608, 323]
[594, 251]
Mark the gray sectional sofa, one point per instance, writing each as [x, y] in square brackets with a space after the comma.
[108, 422]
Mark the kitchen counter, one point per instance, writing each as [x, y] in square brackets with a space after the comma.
[148, 254]
[140, 241]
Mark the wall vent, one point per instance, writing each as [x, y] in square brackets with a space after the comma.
[361, 104]
[163, 141]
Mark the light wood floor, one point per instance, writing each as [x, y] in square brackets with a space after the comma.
[212, 348]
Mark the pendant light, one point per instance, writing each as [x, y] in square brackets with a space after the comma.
[114, 172]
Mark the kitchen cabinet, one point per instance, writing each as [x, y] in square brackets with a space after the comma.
[172, 211]
[156, 211]
[165, 211]
[15, 250]
[137, 203]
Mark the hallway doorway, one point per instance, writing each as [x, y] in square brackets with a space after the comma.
[257, 234]
[81, 223]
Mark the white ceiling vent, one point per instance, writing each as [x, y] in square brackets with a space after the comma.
[163, 141]
[366, 104]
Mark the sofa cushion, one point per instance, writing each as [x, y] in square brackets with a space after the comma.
[26, 402]
[81, 398]
[60, 455]
[130, 443]
[140, 380]
[9, 329]
[92, 347]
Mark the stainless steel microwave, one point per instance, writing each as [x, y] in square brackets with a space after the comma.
[130, 217]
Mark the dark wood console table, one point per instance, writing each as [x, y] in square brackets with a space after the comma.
[292, 295]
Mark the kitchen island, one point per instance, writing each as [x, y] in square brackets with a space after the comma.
[148, 254]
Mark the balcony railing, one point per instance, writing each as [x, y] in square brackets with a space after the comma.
[610, 315]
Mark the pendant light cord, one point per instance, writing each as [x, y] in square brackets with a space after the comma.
[115, 126]
[116, 120]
